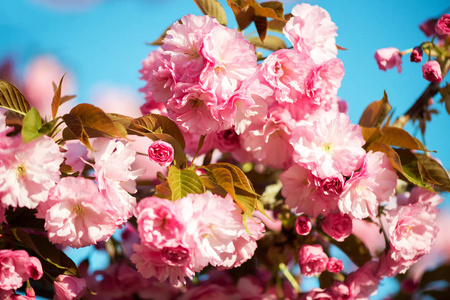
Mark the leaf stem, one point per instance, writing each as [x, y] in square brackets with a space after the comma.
[289, 277]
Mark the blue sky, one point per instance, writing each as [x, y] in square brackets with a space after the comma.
[106, 42]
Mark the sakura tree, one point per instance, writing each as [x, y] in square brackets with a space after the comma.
[262, 175]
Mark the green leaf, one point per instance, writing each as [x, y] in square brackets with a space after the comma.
[354, 249]
[12, 99]
[31, 124]
[412, 168]
[271, 43]
[154, 123]
[183, 182]
[214, 9]
[240, 180]
[48, 127]
[375, 113]
[246, 200]
[56, 102]
[53, 260]
[435, 172]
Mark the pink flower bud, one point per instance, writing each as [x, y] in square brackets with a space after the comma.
[303, 225]
[338, 226]
[387, 58]
[416, 54]
[335, 265]
[432, 71]
[35, 268]
[443, 25]
[69, 287]
[427, 27]
[312, 260]
[161, 152]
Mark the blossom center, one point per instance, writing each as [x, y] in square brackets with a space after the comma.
[20, 171]
[328, 147]
[78, 209]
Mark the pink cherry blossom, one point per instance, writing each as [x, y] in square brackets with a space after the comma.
[191, 108]
[16, 267]
[443, 25]
[69, 287]
[166, 263]
[303, 225]
[432, 71]
[286, 71]
[183, 44]
[312, 32]
[334, 265]
[364, 282]
[116, 180]
[329, 145]
[312, 260]
[77, 214]
[230, 60]
[323, 83]
[159, 223]
[161, 152]
[387, 58]
[29, 171]
[366, 189]
[214, 223]
[338, 226]
[269, 141]
[412, 230]
[159, 77]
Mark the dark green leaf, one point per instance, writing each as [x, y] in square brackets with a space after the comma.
[12, 99]
[31, 124]
[412, 168]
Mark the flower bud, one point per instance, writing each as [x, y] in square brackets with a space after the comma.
[303, 225]
[312, 260]
[161, 152]
[443, 25]
[416, 54]
[427, 27]
[338, 226]
[432, 71]
[334, 265]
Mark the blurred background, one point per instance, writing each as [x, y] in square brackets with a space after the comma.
[100, 44]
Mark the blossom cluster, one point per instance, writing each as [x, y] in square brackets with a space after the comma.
[180, 238]
[281, 120]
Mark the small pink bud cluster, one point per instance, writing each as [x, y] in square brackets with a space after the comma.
[313, 261]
